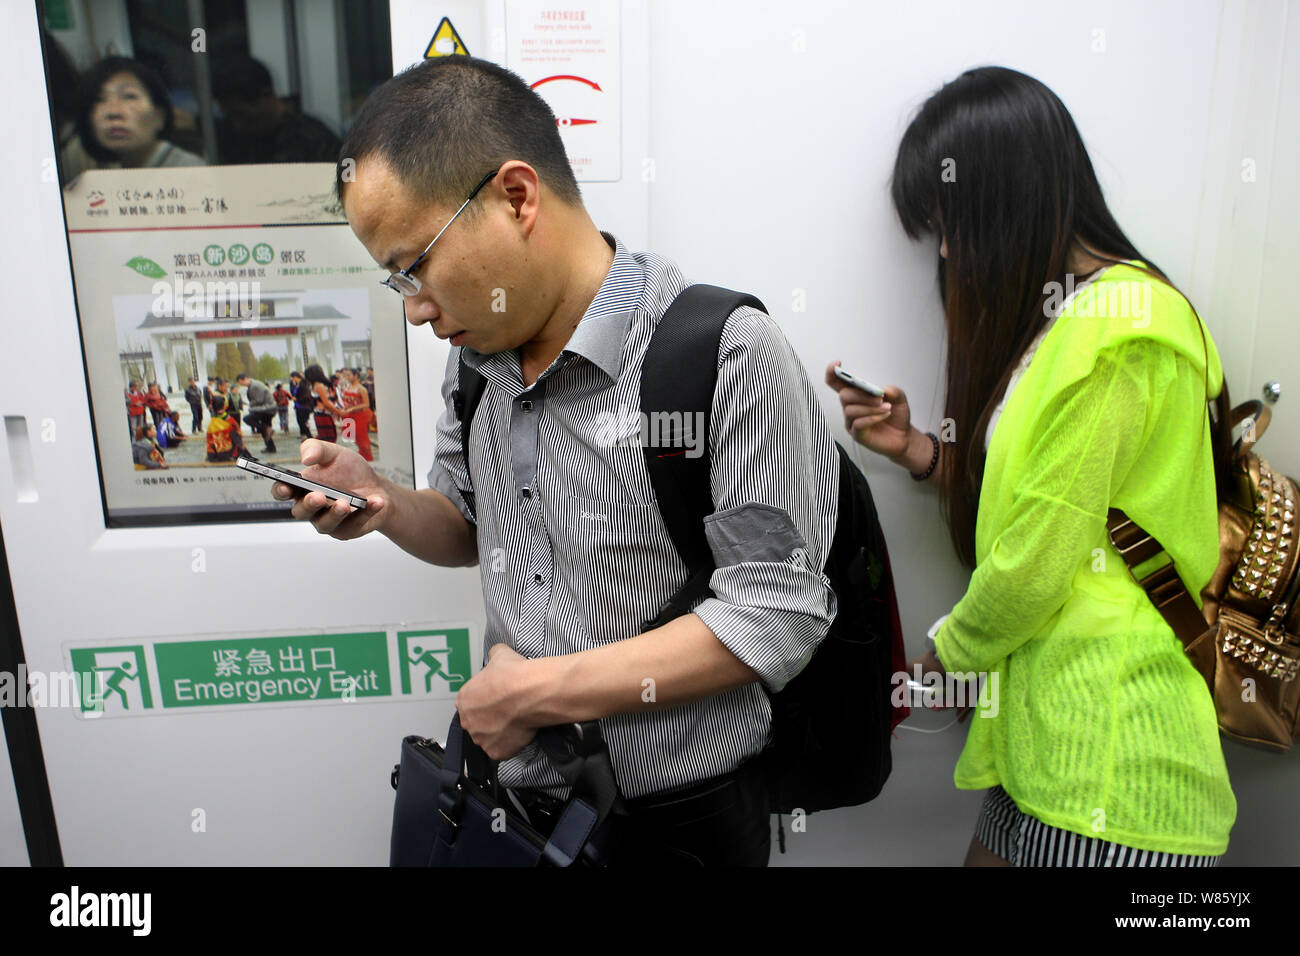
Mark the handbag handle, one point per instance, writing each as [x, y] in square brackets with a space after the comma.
[577, 750]
[579, 753]
[1261, 414]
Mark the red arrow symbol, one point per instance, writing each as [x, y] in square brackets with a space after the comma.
[566, 121]
[566, 76]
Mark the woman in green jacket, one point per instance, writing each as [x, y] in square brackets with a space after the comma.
[1077, 379]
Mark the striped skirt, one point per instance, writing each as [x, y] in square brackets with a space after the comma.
[1023, 840]
[325, 430]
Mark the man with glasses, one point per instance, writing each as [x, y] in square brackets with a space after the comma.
[455, 179]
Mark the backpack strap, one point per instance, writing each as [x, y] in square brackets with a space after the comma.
[1163, 585]
[465, 398]
[678, 378]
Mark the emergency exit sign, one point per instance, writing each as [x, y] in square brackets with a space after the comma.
[128, 679]
[198, 673]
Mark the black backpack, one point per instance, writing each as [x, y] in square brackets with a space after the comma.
[832, 723]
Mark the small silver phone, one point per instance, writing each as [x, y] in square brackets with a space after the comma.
[298, 481]
[850, 379]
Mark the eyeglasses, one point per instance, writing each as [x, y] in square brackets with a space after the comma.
[405, 281]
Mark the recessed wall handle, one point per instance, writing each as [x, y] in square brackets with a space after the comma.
[20, 458]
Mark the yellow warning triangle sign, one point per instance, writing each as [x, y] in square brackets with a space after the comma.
[446, 41]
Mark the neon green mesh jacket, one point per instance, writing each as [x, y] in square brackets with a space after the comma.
[1100, 724]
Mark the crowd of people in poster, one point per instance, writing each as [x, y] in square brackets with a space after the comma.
[331, 408]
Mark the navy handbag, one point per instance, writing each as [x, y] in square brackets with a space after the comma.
[451, 811]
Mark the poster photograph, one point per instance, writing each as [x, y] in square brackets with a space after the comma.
[212, 302]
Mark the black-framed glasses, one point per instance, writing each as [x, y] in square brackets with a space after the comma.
[405, 281]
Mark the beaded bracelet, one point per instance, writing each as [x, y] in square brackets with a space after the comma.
[934, 459]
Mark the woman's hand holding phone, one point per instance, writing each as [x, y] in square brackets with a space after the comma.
[339, 467]
[882, 424]
[927, 664]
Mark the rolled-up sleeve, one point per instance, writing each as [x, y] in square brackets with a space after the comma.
[450, 473]
[1086, 441]
[775, 479]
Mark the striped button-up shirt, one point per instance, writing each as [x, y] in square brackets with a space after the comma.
[573, 552]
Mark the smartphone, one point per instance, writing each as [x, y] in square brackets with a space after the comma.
[856, 382]
[924, 697]
[249, 463]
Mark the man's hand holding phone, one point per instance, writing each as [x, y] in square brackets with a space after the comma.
[340, 467]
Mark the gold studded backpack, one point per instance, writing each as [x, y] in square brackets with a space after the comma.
[1245, 640]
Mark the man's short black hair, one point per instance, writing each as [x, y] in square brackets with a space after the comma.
[445, 123]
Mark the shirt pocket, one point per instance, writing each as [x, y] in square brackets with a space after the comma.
[616, 558]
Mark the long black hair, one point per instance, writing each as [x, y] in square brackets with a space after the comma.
[994, 163]
[314, 373]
